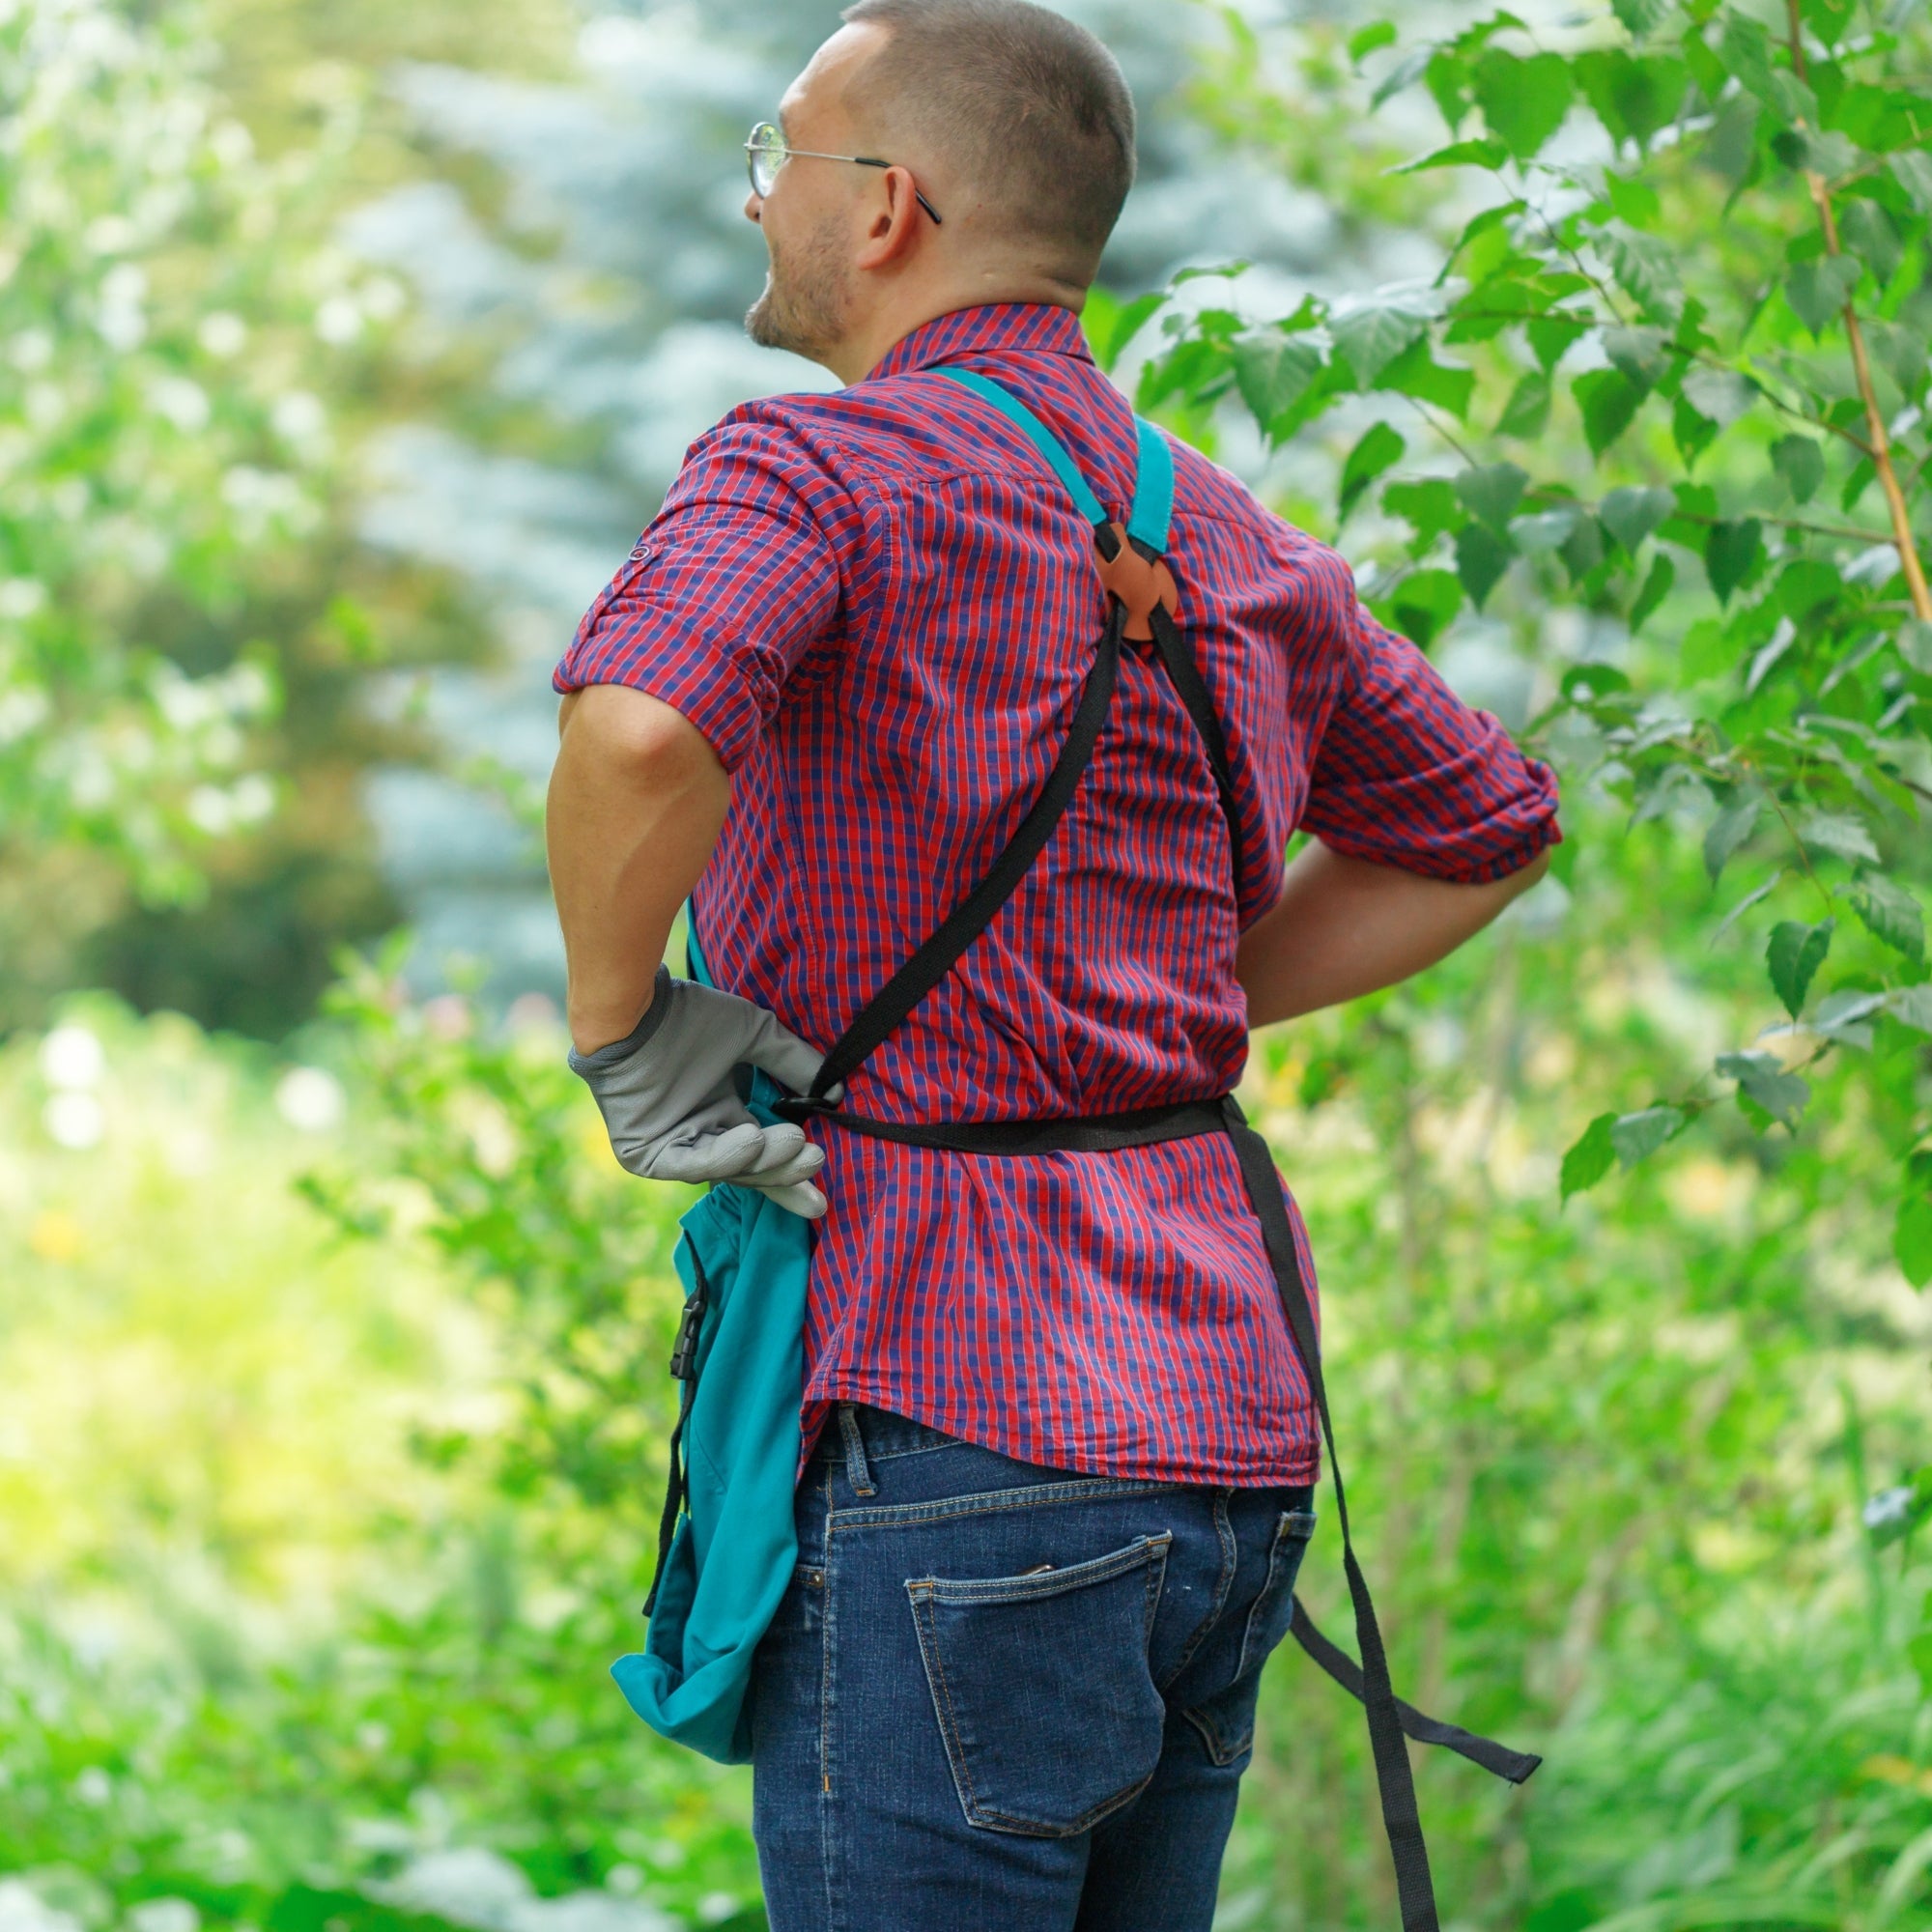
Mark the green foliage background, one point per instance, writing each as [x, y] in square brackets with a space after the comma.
[332, 1369]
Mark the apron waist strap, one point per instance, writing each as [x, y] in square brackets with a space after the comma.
[1078, 1133]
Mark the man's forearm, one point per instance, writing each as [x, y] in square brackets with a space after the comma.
[1343, 927]
[636, 801]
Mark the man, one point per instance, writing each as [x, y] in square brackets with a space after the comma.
[1051, 1532]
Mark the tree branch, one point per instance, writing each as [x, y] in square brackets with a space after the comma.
[1875, 429]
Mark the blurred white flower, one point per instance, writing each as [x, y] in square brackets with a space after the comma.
[312, 1100]
[22, 1910]
[222, 333]
[232, 144]
[183, 403]
[298, 417]
[109, 234]
[30, 350]
[164, 1915]
[121, 319]
[383, 298]
[75, 1122]
[211, 809]
[253, 798]
[339, 321]
[71, 1057]
[21, 596]
[94, 1786]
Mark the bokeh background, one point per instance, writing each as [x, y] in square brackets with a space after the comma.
[344, 349]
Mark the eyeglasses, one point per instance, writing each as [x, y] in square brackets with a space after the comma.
[766, 153]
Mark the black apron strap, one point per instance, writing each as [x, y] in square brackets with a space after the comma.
[684, 1366]
[935, 958]
[1176, 657]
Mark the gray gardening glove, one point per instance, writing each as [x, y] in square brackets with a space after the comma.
[666, 1095]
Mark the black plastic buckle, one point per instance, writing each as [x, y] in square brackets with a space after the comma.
[684, 1351]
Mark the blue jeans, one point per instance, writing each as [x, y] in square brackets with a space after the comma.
[1006, 1697]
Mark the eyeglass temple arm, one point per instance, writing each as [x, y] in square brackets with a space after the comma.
[874, 161]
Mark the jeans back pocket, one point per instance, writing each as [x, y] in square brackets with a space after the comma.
[1042, 1688]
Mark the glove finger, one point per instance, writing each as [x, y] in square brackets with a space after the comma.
[791, 1062]
[802, 1166]
[782, 1144]
[710, 1156]
[800, 1198]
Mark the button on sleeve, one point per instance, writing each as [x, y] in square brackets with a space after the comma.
[1407, 775]
[732, 584]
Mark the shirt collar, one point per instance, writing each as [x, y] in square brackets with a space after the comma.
[992, 329]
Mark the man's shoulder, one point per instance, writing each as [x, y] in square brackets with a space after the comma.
[873, 429]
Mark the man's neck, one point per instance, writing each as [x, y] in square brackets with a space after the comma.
[867, 346]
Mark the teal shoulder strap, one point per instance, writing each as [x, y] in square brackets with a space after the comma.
[1153, 487]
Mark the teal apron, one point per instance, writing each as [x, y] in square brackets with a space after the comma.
[728, 1545]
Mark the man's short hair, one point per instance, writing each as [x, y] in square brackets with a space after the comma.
[1031, 108]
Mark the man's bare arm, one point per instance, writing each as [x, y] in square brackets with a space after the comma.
[1343, 927]
[636, 801]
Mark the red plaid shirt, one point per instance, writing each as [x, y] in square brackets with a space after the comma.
[878, 607]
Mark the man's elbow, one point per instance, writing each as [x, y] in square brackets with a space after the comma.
[630, 731]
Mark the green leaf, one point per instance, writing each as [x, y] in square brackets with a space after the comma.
[1609, 400]
[1428, 504]
[1743, 47]
[1829, 20]
[1372, 337]
[1637, 1136]
[1818, 290]
[1544, 529]
[1523, 100]
[1914, 644]
[1842, 832]
[1584, 548]
[1639, 352]
[1794, 957]
[1527, 413]
[1901, 352]
[1655, 588]
[1634, 95]
[1449, 385]
[1722, 395]
[1639, 16]
[1551, 336]
[1493, 493]
[1481, 560]
[1892, 914]
[1729, 553]
[1800, 462]
[1403, 74]
[1729, 829]
[1379, 447]
[1273, 372]
[1126, 325]
[1630, 513]
[1913, 172]
[1645, 267]
[1761, 1079]
[1911, 1239]
[1913, 1007]
[1592, 1157]
[1690, 430]
[1423, 604]
[1868, 232]
[1366, 40]
[1489, 153]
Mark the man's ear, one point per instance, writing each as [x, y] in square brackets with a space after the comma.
[892, 221]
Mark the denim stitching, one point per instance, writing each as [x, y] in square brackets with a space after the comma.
[857, 1473]
[887, 1516]
[828, 1836]
[1044, 1584]
[1150, 1549]
[1229, 1553]
[948, 1724]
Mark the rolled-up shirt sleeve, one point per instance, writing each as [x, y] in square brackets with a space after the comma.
[731, 584]
[1407, 775]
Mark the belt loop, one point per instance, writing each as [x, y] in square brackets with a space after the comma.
[858, 1472]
